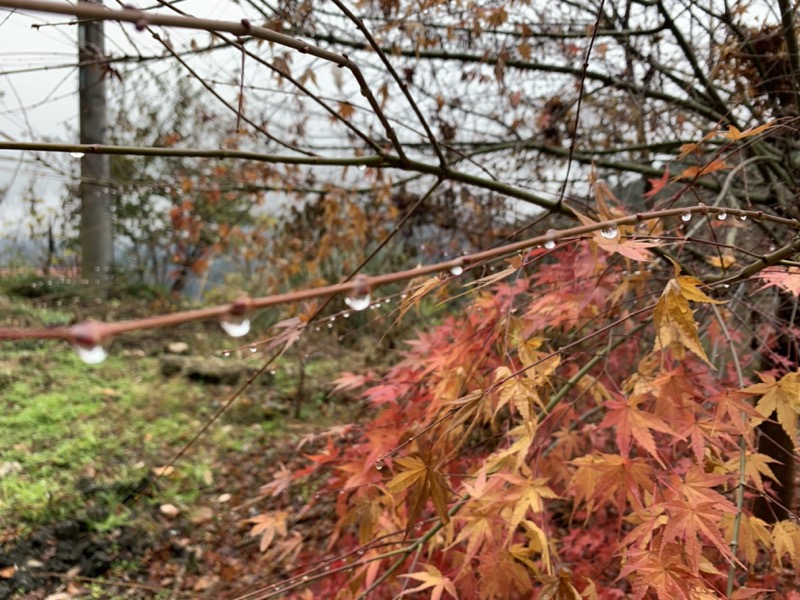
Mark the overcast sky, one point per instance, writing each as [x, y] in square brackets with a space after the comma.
[38, 104]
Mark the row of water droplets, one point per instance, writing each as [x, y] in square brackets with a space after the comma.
[721, 216]
[237, 324]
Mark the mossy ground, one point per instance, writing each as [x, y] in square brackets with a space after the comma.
[88, 444]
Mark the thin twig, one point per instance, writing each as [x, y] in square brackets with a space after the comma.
[403, 85]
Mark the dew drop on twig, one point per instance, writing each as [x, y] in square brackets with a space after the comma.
[550, 242]
[235, 327]
[609, 232]
[87, 340]
[359, 297]
[686, 217]
[91, 355]
[722, 216]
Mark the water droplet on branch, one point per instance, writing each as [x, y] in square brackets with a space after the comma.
[91, 355]
[722, 216]
[609, 232]
[686, 217]
[87, 340]
[76, 154]
[235, 323]
[359, 297]
[550, 242]
[456, 270]
[235, 327]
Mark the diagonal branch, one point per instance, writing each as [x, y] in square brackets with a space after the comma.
[403, 85]
[244, 28]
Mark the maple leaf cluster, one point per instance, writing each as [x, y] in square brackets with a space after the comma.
[523, 449]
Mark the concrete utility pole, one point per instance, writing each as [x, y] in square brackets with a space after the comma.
[96, 229]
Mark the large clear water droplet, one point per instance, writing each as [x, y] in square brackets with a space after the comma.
[359, 297]
[686, 217]
[235, 327]
[87, 340]
[457, 270]
[379, 464]
[550, 243]
[609, 232]
[743, 217]
[76, 154]
[91, 355]
[358, 302]
[722, 216]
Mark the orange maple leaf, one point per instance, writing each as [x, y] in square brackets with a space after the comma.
[663, 571]
[657, 184]
[689, 523]
[697, 487]
[632, 423]
[268, 525]
[605, 477]
[787, 279]
[699, 170]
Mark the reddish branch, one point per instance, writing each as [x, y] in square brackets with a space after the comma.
[94, 332]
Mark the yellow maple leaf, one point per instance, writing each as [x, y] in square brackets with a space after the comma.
[723, 261]
[420, 290]
[756, 465]
[735, 135]
[786, 540]
[412, 469]
[781, 397]
[539, 364]
[674, 318]
[431, 578]
[518, 392]
[527, 496]
[753, 532]
[425, 481]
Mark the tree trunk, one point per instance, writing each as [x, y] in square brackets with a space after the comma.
[96, 234]
[772, 439]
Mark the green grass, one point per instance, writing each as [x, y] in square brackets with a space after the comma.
[62, 420]
[74, 435]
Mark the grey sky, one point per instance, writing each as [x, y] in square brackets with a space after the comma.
[42, 105]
